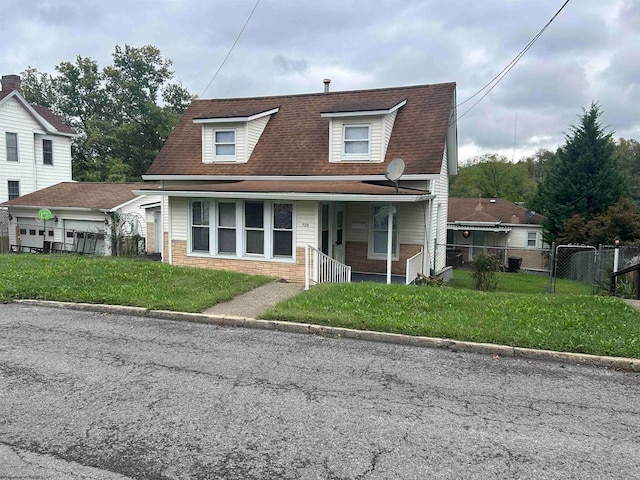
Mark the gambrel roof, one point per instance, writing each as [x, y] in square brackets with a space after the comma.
[295, 141]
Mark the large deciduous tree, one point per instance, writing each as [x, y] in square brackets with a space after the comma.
[123, 112]
[582, 179]
[493, 176]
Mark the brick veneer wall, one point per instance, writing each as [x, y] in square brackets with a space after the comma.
[356, 256]
[151, 238]
[292, 272]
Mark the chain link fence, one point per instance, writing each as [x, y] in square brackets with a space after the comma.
[511, 259]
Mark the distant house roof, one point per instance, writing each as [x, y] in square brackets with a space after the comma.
[100, 196]
[494, 210]
[295, 142]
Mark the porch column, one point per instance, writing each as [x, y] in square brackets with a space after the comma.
[389, 242]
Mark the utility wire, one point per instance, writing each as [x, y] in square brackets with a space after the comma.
[232, 47]
[495, 80]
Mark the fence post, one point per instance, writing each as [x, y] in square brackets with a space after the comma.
[552, 267]
[306, 267]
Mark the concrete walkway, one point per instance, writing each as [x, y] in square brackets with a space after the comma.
[257, 301]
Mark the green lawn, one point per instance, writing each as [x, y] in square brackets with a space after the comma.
[572, 323]
[119, 281]
[522, 282]
[519, 314]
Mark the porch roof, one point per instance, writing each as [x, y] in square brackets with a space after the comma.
[479, 227]
[294, 190]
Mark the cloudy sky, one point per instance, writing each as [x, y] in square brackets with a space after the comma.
[589, 53]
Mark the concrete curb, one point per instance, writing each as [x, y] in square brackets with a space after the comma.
[617, 363]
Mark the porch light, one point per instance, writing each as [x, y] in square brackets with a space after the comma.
[466, 233]
[616, 241]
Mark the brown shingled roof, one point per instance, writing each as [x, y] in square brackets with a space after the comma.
[487, 210]
[271, 186]
[53, 119]
[296, 139]
[104, 196]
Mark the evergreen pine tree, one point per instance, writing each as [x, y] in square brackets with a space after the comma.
[582, 179]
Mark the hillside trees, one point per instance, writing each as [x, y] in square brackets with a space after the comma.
[123, 112]
[581, 180]
[493, 176]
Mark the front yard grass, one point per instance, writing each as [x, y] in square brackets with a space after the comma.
[119, 281]
[570, 323]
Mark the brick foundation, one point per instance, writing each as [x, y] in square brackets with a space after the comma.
[151, 239]
[292, 272]
[356, 256]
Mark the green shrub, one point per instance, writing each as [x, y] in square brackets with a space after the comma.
[484, 275]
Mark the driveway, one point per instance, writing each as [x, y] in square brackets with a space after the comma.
[92, 395]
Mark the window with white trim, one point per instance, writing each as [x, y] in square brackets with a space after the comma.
[379, 231]
[12, 146]
[200, 226]
[14, 189]
[263, 229]
[224, 144]
[282, 230]
[356, 142]
[227, 228]
[47, 152]
[254, 228]
[532, 239]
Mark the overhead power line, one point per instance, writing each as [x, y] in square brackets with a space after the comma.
[495, 80]
[231, 49]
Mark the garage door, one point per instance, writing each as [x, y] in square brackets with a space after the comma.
[32, 231]
[84, 236]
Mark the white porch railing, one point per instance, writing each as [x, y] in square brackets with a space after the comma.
[321, 268]
[414, 267]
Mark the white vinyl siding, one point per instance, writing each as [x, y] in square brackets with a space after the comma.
[307, 223]
[389, 121]
[30, 170]
[336, 138]
[254, 130]
[438, 227]
[358, 224]
[412, 223]
[179, 218]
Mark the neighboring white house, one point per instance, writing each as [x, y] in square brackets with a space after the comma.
[35, 145]
[263, 185]
[83, 218]
[493, 225]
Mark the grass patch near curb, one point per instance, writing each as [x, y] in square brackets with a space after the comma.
[522, 282]
[570, 323]
[119, 281]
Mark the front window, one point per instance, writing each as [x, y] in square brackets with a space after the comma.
[282, 229]
[225, 143]
[356, 140]
[12, 146]
[200, 226]
[254, 228]
[227, 228]
[14, 189]
[47, 152]
[380, 230]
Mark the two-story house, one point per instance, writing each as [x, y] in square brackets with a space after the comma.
[301, 186]
[35, 145]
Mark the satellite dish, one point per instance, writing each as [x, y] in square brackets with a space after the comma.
[529, 214]
[395, 169]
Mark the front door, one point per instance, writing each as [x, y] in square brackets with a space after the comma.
[338, 252]
[478, 244]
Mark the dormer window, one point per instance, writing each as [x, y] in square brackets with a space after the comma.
[356, 142]
[225, 144]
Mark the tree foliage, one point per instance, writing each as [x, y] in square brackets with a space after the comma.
[493, 176]
[123, 112]
[582, 179]
[628, 157]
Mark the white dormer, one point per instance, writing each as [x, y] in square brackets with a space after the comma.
[360, 136]
[232, 139]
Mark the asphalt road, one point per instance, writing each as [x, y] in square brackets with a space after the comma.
[86, 395]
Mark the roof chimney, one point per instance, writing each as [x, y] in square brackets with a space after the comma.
[11, 82]
[326, 81]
